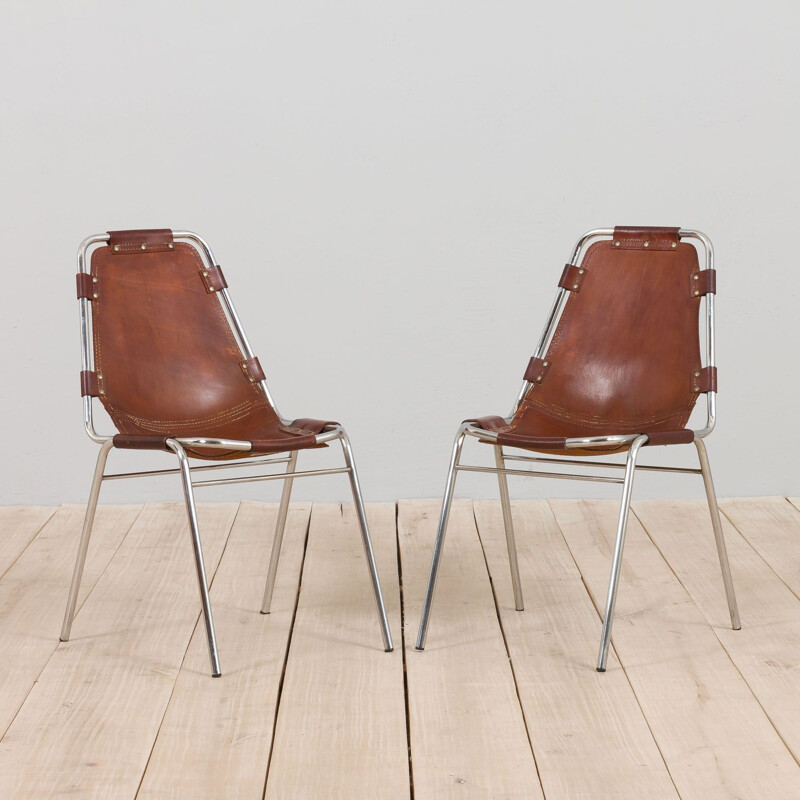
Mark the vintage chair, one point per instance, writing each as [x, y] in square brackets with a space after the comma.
[618, 367]
[164, 351]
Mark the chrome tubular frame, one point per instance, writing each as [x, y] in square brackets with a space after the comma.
[178, 446]
[633, 441]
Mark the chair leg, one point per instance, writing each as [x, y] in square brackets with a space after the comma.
[283, 511]
[716, 523]
[83, 547]
[508, 523]
[447, 502]
[368, 551]
[622, 524]
[191, 511]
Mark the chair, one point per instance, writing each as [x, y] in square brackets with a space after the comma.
[164, 351]
[618, 368]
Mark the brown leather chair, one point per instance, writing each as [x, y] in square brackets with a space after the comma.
[617, 368]
[164, 351]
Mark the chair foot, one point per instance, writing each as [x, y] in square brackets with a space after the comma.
[367, 541]
[83, 547]
[280, 526]
[447, 502]
[719, 537]
[202, 581]
[619, 544]
[508, 524]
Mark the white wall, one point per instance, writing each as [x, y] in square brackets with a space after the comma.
[392, 190]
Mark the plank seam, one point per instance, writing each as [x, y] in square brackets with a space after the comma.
[58, 642]
[183, 658]
[403, 648]
[611, 646]
[36, 532]
[287, 651]
[508, 652]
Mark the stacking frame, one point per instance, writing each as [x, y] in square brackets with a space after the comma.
[488, 432]
[206, 445]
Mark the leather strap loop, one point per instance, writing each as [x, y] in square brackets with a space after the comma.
[86, 285]
[703, 282]
[89, 386]
[140, 241]
[705, 380]
[572, 278]
[633, 238]
[213, 279]
[537, 370]
[132, 442]
[252, 370]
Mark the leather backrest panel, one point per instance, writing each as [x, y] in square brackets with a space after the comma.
[626, 349]
[168, 360]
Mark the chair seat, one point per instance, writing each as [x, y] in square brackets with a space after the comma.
[265, 433]
[540, 432]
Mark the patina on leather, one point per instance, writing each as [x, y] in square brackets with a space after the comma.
[169, 361]
[625, 356]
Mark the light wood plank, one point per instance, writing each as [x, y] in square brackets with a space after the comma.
[18, 527]
[33, 594]
[715, 738]
[587, 729]
[468, 737]
[87, 727]
[767, 649]
[341, 722]
[215, 739]
[772, 526]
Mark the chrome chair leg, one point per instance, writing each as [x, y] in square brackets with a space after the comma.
[83, 547]
[191, 511]
[283, 511]
[716, 523]
[622, 524]
[447, 502]
[368, 551]
[508, 523]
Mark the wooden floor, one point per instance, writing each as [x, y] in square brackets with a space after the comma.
[502, 704]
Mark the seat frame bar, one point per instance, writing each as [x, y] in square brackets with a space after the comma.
[634, 443]
[185, 469]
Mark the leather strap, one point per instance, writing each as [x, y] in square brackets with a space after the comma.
[703, 282]
[305, 425]
[705, 380]
[572, 278]
[633, 238]
[141, 241]
[282, 445]
[213, 279]
[127, 441]
[534, 442]
[537, 370]
[87, 286]
[670, 437]
[252, 370]
[89, 384]
[493, 424]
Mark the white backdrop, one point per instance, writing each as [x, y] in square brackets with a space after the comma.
[392, 190]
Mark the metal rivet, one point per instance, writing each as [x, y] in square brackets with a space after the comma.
[144, 247]
[538, 378]
[697, 374]
[205, 274]
[646, 244]
[674, 244]
[696, 277]
[581, 271]
[210, 288]
[95, 295]
[574, 285]
[102, 391]
[116, 248]
[546, 363]
[94, 280]
[697, 388]
[616, 244]
[170, 245]
[696, 293]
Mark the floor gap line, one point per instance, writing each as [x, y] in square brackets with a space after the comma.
[33, 538]
[185, 653]
[508, 652]
[614, 649]
[403, 647]
[288, 650]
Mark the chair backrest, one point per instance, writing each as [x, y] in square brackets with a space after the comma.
[166, 360]
[625, 354]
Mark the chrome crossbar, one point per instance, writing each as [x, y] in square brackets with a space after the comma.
[526, 472]
[240, 464]
[582, 463]
[280, 477]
